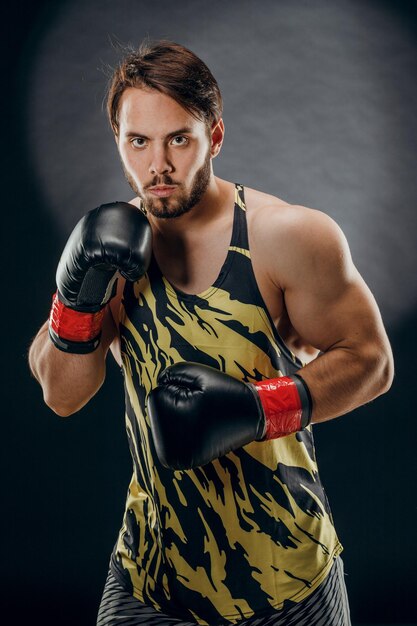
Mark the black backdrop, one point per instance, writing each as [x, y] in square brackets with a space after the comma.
[65, 480]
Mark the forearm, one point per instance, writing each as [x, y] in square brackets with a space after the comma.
[342, 379]
[68, 380]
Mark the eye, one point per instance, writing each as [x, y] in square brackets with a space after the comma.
[179, 140]
[138, 142]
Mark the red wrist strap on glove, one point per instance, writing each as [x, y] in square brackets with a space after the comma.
[74, 331]
[287, 404]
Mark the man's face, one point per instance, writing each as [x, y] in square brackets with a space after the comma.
[165, 152]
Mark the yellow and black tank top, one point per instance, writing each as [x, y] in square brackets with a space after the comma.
[241, 535]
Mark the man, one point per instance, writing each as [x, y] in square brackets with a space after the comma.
[245, 324]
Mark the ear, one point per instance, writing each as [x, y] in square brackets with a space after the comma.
[217, 136]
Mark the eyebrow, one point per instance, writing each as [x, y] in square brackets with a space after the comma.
[181, 131]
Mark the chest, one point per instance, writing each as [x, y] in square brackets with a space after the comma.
[193, 266]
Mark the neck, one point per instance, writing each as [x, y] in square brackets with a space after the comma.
[214, 204]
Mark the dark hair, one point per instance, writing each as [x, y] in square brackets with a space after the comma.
[171, 69]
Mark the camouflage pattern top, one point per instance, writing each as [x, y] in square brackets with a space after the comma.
[250, 530]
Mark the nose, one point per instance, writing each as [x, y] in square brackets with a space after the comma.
[160, 163]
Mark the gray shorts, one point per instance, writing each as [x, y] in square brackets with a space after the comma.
[326, 606]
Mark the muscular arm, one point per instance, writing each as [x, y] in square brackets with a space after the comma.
[332, 309]
[69, 363]
[198, 413]
[69, 381]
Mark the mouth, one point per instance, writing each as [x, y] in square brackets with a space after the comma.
[162, 191]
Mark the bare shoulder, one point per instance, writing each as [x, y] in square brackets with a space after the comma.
[293, 237]
[256, 199]
[278, 214]
[294, 223]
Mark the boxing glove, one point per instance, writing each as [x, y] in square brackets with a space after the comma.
[113, 237]
[198, 413]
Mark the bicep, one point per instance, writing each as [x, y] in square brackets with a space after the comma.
[348, 316]
[327, 300]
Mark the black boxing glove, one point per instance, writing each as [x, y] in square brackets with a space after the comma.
[113, 237]
[199, 413]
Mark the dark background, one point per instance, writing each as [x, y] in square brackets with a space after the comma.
[320, 110]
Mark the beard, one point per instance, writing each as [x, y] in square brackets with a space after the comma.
[168, 207]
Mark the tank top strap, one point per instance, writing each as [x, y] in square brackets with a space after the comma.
[239, 241]
[239, 263]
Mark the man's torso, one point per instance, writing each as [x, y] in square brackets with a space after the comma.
[192, 263]
[252, 528]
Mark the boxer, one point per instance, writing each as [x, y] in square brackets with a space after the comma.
[239, 322]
